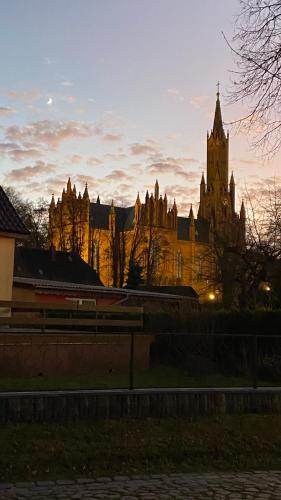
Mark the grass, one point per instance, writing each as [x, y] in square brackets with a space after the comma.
[157, 376]
[108, 447]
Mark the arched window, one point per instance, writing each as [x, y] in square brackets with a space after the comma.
[95, 255]
[179, 262]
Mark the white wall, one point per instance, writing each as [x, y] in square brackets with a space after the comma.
[7, 250]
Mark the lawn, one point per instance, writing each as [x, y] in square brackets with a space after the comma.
[109, 447]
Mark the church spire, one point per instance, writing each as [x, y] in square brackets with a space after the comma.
[218, 125]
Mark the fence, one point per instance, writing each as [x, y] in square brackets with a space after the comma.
[73, 346]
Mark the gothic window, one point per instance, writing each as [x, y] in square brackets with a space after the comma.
[95, 255]
[155, 256]
[179, 262]
[199, 267]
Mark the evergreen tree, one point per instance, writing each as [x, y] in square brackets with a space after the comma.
[134, 277]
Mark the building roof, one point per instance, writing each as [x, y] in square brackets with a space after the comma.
[10, 222]
[99, 215]
[201, 229]
[60, 286]
[53, 265]
[183, 291]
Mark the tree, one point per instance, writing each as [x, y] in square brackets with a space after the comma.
[134, 277]
[256, 46]
[35, 217]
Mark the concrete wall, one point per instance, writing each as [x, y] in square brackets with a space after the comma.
[72, 405]
[7, 250]
[72, 354]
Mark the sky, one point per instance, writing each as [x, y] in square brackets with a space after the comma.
[117, 94]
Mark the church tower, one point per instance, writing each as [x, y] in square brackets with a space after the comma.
[217, 195]
[215, 199]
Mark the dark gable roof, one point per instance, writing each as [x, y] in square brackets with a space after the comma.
[99, 215]
[10, 221]
[54, 266]
[201, 229]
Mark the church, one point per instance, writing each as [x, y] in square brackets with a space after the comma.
[170, 249]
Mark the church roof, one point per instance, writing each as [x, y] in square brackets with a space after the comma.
[10, 221]
[125, 220]
[201, 229]
[99, 216]
[53, 265]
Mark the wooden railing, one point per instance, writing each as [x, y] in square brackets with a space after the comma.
[71, 316]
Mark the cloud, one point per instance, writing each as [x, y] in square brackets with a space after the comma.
[174, 166]
[66, 83]
[144, 149]
[111, 137]
[26, 173]
[22, 154]
[245, 161]
[26, 96]
[92, 160]
[118, 175]
[175, 93]
[49, 60]
[76, 159]
[70, 99]
[114, 156]
[50, 133]
[6, 111]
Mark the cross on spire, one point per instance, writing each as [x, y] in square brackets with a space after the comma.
[218, 89]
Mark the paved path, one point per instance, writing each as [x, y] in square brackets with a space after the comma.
[252, 485]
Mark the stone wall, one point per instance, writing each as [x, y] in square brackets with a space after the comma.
[59, 406]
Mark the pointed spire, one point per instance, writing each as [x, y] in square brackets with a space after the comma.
[86, 194]
[242, 211]
[79, 196]
[138, 199]
[175, 205]
[98, 199]
[232, 183]
[68, 187]
[146, 196]
[191, 215]
[52, 204]
[156, 190]
[218, 125]
[74, 190]
[203, 179]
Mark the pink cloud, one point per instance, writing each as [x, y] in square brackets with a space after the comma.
[143, 149]
[50, 133]
[6, 111]
[26, 173]
[26, 96]
[111, 137]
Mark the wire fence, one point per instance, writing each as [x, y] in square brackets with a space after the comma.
[78, 346]
[135, 360]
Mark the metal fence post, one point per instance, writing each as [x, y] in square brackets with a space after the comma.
[132, 362]
[255, 361]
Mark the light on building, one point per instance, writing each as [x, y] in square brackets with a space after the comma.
[211, 296]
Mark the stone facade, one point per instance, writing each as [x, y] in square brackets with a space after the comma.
[172, 250]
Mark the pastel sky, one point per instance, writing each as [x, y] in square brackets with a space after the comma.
[117, 93]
